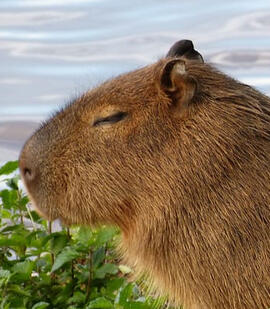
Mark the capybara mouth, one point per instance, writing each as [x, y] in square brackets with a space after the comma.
[41, 208]
[42, 213]
[44, 210]
[42, 194]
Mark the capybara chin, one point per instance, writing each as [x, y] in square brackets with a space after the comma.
[177, 155]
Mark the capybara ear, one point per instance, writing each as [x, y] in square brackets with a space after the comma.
[178, 85]
[185, 49]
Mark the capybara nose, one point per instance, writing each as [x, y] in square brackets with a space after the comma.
[28, 174]
[27, 168]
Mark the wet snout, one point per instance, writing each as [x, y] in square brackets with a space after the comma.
[28, 166]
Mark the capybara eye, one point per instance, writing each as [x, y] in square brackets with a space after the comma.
[110, 119]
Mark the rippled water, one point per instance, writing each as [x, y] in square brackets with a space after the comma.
[51, 50]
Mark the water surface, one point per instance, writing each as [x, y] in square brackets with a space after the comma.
[52, 50]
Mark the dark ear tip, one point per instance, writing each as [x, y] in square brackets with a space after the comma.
[185, 49]
[188, 44]
[180, 46]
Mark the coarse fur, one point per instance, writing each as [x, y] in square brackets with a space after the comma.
[185, 175]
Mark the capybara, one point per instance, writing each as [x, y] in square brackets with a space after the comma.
[177, 155]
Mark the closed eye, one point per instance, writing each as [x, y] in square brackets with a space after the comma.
[110, 119]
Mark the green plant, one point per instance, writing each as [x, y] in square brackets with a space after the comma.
[69, 268]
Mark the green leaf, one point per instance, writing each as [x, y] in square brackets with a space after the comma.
[4, 277]
[104, 235]
[23, 270]
[34, 216]
[4, 273]
[125, 269]
[9, 167]
[4, 305]
[9, 198]
[23, 201]
[125, 294]
[84, 235]
[105, 269]
[13, 182]
[6, 214]
[77, 298]
[14, 240]
[58, 242]
[51, 236]
[40, 305]
[62, 294]
[45, 280]
[34, 240]
[137, 305]
[115, 284]
[17, 289]
[98, 257]
[100, 302]
[10, 228]
[67, 255]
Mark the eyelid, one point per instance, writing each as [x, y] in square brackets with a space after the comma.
[118, 116]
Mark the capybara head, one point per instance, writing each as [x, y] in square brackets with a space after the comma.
[177, 155]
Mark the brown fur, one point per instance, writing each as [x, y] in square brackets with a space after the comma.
[186, 176]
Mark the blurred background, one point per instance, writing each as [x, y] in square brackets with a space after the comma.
[53, 50]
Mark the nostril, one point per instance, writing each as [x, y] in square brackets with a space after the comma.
[28, 174]
[28, 167]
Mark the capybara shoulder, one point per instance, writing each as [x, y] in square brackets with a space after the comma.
[177, 155]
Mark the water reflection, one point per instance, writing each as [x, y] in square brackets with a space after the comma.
[13, 19]
[242, 59]
[34, 3]
[258, 22]
[51, 50]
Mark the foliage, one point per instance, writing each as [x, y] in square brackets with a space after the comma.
[69, 268]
